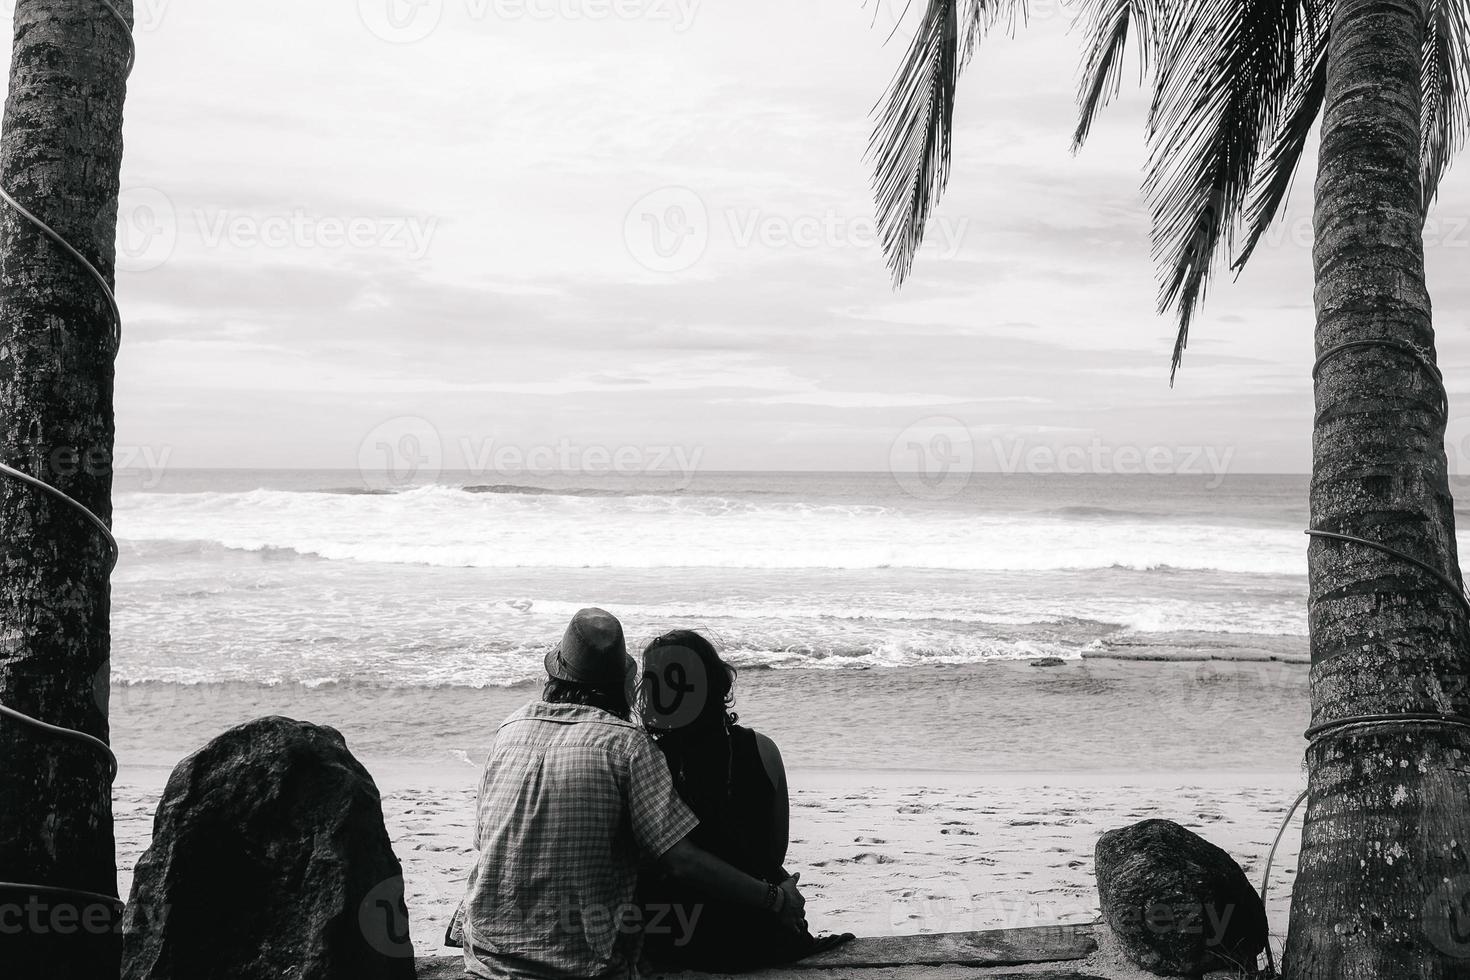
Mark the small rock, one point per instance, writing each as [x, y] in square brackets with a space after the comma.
[269, 859]
[1048, 662]
[1178, 905]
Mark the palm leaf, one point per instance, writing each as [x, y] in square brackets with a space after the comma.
[1108, 23]
[910, 144]
[1222, 79]
[1276, 171]
[1446, 60]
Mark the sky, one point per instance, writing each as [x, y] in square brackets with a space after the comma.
[479, 230]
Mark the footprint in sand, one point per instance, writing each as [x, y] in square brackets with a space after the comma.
[869, 857]
[910, 808]
[959, 831]
[869, 840]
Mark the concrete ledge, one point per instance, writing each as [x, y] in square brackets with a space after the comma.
[942, 955]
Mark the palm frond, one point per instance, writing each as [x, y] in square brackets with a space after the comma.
[1276, 171]
[1223, 75]
[910, 144]
[1108, 24]
[1446, 88]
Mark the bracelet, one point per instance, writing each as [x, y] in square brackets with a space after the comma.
[773, 896]
[780, 899]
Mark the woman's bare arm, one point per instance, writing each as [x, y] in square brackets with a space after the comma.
[781, 804]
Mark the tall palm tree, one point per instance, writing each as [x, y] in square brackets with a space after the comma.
[1238, 86]
[60, 152]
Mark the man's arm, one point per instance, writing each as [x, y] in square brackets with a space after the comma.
[689, 863]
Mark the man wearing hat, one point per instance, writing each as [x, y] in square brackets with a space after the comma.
[574, 798]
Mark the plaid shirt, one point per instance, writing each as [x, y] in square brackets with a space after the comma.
[572, 798]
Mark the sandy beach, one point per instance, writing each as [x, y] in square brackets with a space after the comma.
[935, 799]
[880, 853]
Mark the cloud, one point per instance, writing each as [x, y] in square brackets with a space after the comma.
[523, 148]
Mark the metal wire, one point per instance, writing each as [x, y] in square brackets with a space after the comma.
[91, 740]
[1318, 732]
[1418, 355]
[116, 903]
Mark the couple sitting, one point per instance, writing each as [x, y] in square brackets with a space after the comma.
[595, 841]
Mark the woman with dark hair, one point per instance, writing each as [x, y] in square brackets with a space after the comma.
[735, 782]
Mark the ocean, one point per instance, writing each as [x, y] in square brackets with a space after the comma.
[402, 615]
[302, 577]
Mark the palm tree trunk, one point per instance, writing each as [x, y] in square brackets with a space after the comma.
[1386, 842]
[60, 152]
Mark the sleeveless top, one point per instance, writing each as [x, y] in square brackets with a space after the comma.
[741, 835]
[724, 937]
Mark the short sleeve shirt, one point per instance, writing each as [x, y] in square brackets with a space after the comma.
[571, 802]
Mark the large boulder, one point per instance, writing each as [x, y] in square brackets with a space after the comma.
[1178, 905]
[269, 860]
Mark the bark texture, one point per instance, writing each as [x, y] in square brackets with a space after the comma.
[1384, 869]
[60, 153]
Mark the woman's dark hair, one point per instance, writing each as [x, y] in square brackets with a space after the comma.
[614, 702]
[698, 750]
